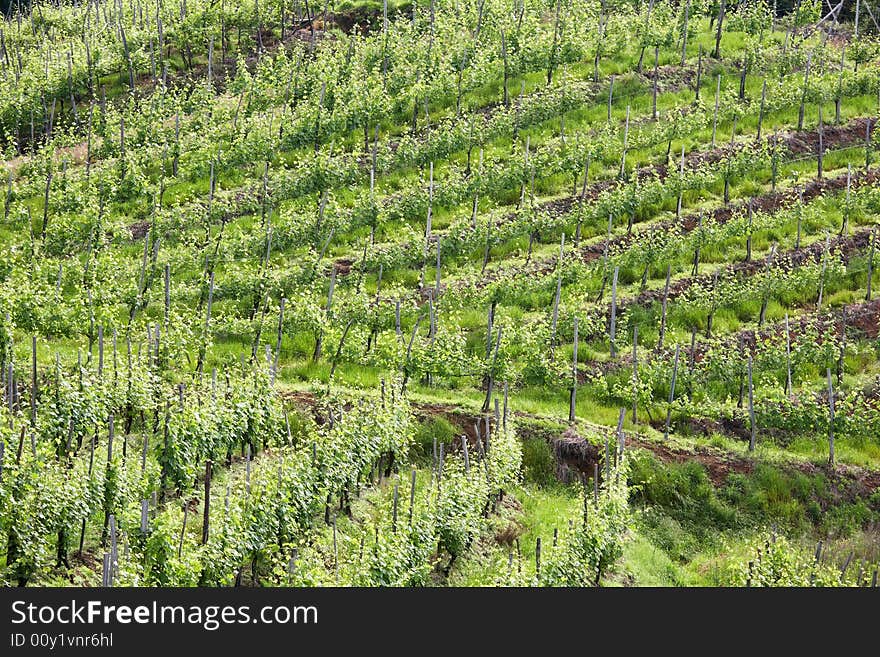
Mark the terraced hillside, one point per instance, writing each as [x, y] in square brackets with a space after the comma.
[528, 292]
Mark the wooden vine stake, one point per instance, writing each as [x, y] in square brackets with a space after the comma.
[114, 548]
[82, 533]
[607, 461]
[490, 384]
[663, 307]
[557, 297]
[412, 495]
[574, 361]
[788, 388]
[336, 551]
[684, 32]
[671, 394]
[612, 330]
[842, 352]
[870, 264]
[394, 509]
[207, 516]
[625, 142]
[699, 79]
[680, 186]
[605, 254]
[108, 466]
[586, 498]
[774, 160]
[538, 557]
[145, 516]
[205, 331]
[610, 99]
[35, 385]
[751, 218]
[761, 110]
[428, 219]
[846, 206]
[291, 565]
[504, 413]
[822, 274]
[506, 93]
[316, 355]
[105, 570]
[182, 531]
[440, 458]
[635, 357]
[752, 427]
[800, 124]
[437, 273]
[654, 90]
[247, 471]
[830, 418]
[721, 13]
[715, 115]
[839, 96]
[278, 338]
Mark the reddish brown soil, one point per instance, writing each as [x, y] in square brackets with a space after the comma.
[718, 465]
[343, 266]
[139, 229]
[465, 424]
[865, 318]
[807, 142]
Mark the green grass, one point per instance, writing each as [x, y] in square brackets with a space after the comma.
[644, 564]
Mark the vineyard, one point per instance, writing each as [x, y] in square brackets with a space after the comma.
[435, 293]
